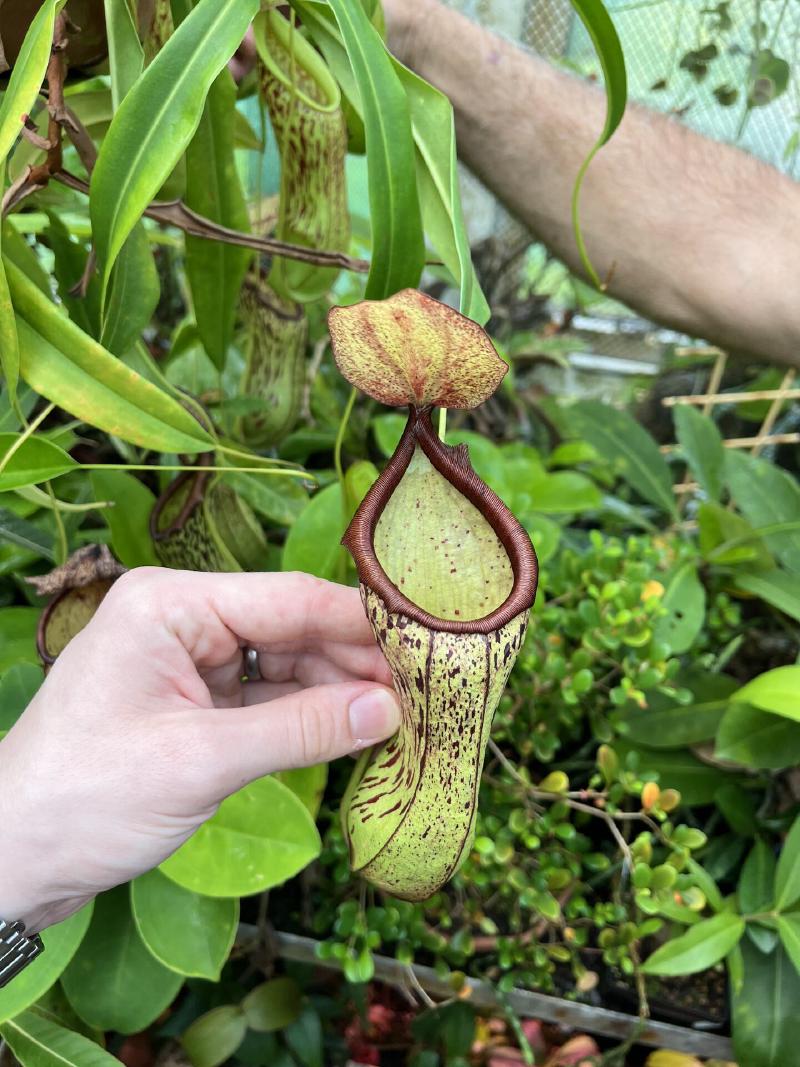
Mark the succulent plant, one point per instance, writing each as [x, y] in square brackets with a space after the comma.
[448, 577]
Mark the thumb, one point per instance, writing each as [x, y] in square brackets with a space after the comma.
[300, 729]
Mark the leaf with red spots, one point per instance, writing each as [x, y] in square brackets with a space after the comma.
[412, 349]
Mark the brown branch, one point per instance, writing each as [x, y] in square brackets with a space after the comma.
[176, 213]
[21, 187]
[30, 133]
[82, 141]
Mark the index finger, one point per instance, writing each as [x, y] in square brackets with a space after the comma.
[214, 614]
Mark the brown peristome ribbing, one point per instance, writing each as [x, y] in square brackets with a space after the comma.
[453, 464]
[194, 498]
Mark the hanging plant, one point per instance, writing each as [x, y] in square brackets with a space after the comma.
[76, 589]
[304, 104]
[448, 577]
[199, 523]
[275, 335]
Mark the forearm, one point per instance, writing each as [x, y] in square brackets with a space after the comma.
[696, 235]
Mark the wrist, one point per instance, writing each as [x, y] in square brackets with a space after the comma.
[28, 856]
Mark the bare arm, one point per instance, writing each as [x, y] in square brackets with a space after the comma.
[694, 234]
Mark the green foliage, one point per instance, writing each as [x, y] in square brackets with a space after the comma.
[258, 838]
[156, 120]
[633, 815]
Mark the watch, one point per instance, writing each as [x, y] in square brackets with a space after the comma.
[16, 950]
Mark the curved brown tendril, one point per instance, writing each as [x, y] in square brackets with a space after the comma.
[453, 464]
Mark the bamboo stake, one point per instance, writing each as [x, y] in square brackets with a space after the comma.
[734, 398]
[749, 442]
[772, 413]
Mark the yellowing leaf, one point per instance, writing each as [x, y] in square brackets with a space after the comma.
[412, 349]
[666, 1058]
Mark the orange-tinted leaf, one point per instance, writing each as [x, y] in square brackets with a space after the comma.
[412, 349]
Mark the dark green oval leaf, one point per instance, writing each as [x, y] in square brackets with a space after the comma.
[188, 933]
[113, 981]
[61, 943]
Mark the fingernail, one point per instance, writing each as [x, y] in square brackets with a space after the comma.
[373, 716]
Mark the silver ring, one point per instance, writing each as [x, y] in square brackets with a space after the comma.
[252, 667]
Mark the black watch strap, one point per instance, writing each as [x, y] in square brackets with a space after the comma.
[16, 950]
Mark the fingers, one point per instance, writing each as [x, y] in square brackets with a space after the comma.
[335, 663]
[299, 729]
[212, 615]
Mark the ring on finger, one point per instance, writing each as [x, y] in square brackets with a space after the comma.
[252, 666]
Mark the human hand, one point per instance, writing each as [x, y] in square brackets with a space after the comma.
[144, 725]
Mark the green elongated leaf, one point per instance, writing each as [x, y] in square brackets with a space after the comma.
[756, 889]
[620, 439]
[129, 519]
[17, 251]
[38, 1041]
[157, 119]
[258, 838]
[125, 52]
[9, 342]
[787, 876]
[272, 1005]
[738, 808]
[765, 1009]
[685, 601]
[113, 981]
[35, 460]
[757, 738]
[28, 74]
[436, 164]
[776, 587]
[398, 246]
[65, 365]
[244, 136]
[69, 264]
[702, 446]
[18, 636]
[665, 723]
[10, 414]
[216, 270]
[133, 294]
[188, 933]
[789, 932]
[214, 1037]
[61, 943]
[777, 691]
[18, 687]
[279, 501]
[25, 534]
[767, 495]
[700, 947]
[604, 37]
[312, 544]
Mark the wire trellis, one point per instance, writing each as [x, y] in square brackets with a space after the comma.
[711, 398]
